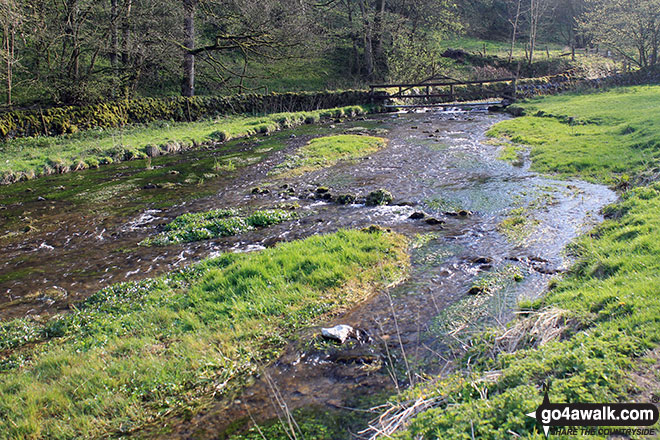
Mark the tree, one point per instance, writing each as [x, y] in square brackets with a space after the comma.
[567, 23]
[188, 85]
[514, 17]
[630, 28]
[11, 20]
[538, 10]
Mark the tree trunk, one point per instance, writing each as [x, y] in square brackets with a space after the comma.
[9, 38]
[126, 34]
[367, 40]
[515, 31]
[379, 56]
[114, 35]
[188, 85]
[654, 48]
[355, 39]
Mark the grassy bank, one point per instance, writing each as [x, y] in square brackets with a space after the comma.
[326, 151]
[136, 351]
[596, 326]
[27, 158]
[606, 137]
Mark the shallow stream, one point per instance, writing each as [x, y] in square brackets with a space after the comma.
[63, 237]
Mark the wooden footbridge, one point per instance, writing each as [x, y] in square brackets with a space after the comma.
[447, 92]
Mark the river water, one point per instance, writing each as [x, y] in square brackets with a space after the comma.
[436, 162]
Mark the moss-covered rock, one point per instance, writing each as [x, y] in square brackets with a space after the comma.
[379, 197]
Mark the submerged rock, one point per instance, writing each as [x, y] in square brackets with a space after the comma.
[476, 290]
[433, 221]
[373, 229]
[259, 190]
[461, 213]
[339, 332]
[345, 199]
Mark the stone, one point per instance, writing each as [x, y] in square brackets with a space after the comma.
[482, 260]
[345, 199]
[379, 197]
[375, 229]
[152, 151]
[433, 221]
[417, 215]
[464, 213]
[339, 332]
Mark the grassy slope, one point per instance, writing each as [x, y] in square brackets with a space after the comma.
[135, 351]
[610, 300]
[44, 155]
[328, 150]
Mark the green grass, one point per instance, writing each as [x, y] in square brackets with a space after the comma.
[498, 48]
[491, 53]
[609, 301]
[32, 157]
[299, 74]
[136, 351]
[327, 151]
[600, 137]
[216, 223]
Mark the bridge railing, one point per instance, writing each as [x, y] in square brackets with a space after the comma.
[427, 87]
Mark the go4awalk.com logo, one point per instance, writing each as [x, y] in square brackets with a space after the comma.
[604, 419]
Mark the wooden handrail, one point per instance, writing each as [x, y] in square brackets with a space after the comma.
[444, 84]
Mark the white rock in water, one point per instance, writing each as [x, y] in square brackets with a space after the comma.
[339, 332]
